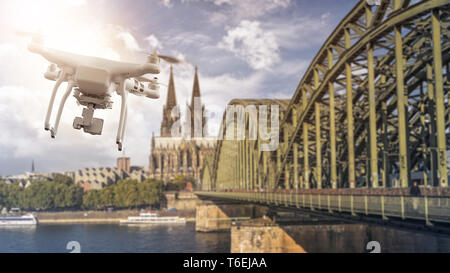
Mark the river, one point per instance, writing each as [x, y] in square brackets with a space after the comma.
[115, 238]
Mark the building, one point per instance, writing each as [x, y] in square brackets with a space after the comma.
[26, 179]
[187, 152]
[123, 163]
[98, 178]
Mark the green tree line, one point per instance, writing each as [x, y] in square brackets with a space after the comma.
[61, 194]
[125, 194]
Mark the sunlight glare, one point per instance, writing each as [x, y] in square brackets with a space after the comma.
[66, 25]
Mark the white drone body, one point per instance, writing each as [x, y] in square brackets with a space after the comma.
[94, 80]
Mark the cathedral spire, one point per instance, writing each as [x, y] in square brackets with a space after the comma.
[196, 87]
[171, 96]
[196, 117]
[171, 103]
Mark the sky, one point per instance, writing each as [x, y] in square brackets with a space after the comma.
[243, 49]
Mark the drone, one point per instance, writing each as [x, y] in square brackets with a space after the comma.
[93, 80]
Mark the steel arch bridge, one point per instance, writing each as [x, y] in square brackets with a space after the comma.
[371, 111]
[358, 112]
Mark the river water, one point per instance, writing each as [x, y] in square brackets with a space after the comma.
[115, 238]
[104, 238]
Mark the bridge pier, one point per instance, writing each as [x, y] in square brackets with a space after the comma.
[262, 236]
[212, 217]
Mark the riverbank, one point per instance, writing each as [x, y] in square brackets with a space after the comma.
[102, 217]
[90, 221]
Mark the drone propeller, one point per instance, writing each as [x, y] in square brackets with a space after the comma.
[171, 60]
[37, 37]
[25, 33]
[168, 59]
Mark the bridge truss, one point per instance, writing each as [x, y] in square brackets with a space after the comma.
[372, 110]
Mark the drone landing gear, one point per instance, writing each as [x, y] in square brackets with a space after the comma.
[53, 130]
[60, 80]
[123, 116]
[119, 144]
[90, 125]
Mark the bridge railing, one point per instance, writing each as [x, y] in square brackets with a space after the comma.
[429, 209]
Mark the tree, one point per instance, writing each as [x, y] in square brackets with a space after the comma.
[60, 196]
[108, 195]
[120, 194]
[150, 192]
[73, 197]
[62, 179]
[13, 195]
[3, 194]
[92, 199]
[42, 195]
[157, 189]
[180, 181]
[61, 193]
[132, 194]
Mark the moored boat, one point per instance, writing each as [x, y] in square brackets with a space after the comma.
[19, 220]
[153, 218]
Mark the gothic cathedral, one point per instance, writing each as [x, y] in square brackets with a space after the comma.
[182, 149]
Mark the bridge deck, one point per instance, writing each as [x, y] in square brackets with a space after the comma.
[427, 208]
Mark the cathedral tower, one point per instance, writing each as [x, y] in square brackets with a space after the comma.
[196, 113]
[171, 104]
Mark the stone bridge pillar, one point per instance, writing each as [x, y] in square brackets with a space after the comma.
[262, 236]
[218, 217]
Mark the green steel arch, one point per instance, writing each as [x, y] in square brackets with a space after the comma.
[359, 116]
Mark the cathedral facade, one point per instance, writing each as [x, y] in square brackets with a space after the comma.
[182, 148]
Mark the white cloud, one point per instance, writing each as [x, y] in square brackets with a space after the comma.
[129, 41]
[153, 42]
[258, 47]
[218, 18]
[188, 39]
[301, 32]
[74, 2]
[167, 3]
[6, 49]
[240, 9]
[251, 8]
[295, 67]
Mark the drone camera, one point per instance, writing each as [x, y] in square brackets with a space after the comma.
[95, 128]
[90, 125]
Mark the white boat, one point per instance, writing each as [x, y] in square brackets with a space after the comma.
[23, 220]
[153, 218]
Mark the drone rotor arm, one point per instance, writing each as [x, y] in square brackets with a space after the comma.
[169, 59]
